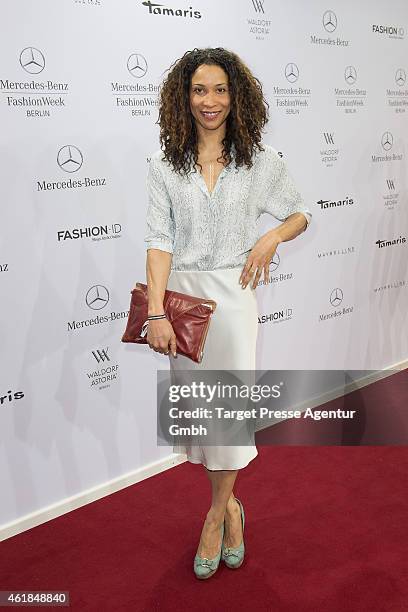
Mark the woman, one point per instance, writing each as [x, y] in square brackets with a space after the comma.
[207, 186]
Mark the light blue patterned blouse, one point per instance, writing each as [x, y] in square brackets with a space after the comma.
[204, 230]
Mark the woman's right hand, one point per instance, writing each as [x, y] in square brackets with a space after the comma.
[161, 336]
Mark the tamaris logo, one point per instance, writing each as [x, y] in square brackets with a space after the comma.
[11, 396]
[335, 203]
[385, 243]
[159, 9]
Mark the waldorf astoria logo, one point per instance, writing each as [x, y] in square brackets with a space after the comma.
[324, 204]
[37, 98]
[391, 195]
[106, 372]
[329, 25]
[389, 30]
[329, 152]
[259, 24]
[156, 8]
[386, 243]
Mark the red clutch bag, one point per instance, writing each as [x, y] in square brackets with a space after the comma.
[190, 317]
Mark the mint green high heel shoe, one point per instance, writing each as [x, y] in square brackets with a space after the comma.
[203, 567]
[234, 557]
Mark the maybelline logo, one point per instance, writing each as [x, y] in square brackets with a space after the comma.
[329, 23]
[392, 31]
[259, 26]
[394, 285]
[10, 396]
[386, 243]
[4, 267]
[139, 96]
[278, 316]
[160, 9]
[106, 373]
[32, 61]
[70, 160]
[336, 299]
[330, 154]
[335, 203]
[96, 298]
[96, 232]
[334, 252]
[387, 142]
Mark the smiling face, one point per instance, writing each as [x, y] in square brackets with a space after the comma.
[210, 102]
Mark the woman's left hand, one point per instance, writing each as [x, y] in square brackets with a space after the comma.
[259, 259]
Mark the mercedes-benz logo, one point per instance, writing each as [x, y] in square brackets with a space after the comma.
[400, 77]
[329, 21]
[97, 297]
[32, 60]
[137, 65]
[350, 75]
[387, 141]
[274, 263]
[336, 297]
[291, 72]
[69, 158]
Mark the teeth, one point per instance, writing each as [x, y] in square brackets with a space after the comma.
[210, 114]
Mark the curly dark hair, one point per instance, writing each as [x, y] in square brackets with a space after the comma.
[244, 124]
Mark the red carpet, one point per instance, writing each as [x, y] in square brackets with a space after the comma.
[326, 530]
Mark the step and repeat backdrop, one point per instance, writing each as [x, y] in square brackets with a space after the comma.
[79, 83]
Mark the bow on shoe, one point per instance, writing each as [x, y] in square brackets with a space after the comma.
[230, 552]
[207, 562]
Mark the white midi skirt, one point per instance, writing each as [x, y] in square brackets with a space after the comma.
[230, 345]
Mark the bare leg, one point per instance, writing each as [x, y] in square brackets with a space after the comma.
[223, 505]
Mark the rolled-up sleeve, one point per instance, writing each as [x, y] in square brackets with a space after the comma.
[159, 218]
[283, 198]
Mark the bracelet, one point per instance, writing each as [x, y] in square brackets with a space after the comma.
[152, 317]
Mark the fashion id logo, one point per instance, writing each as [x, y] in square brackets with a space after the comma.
[278, 316]
[96, 233]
